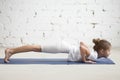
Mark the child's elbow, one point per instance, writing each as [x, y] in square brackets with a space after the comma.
[81, 43]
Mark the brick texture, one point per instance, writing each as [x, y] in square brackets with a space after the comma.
[37, 21]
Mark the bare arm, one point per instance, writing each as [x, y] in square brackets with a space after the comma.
[86, 60]
[84, 51]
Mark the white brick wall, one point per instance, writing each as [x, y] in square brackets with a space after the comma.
[37, 21]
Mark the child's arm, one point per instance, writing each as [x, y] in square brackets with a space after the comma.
[84, 52]
[84, 59]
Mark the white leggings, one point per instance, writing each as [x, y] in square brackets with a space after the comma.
[56, 47]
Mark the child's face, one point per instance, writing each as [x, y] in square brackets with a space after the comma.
[105, 53]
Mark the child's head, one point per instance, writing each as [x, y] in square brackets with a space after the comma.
[102, 47]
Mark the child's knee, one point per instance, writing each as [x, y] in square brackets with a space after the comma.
[37, 48]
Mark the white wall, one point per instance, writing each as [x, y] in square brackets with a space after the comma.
[37, 21]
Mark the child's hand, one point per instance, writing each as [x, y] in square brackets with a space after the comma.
[90, 62]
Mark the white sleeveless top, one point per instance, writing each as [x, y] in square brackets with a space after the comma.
[74, 54]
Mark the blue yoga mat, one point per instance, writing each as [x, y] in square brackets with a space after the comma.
[51, 61]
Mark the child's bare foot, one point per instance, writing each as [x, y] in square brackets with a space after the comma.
[8, 54]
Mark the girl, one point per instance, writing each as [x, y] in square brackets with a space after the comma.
[75, 53]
